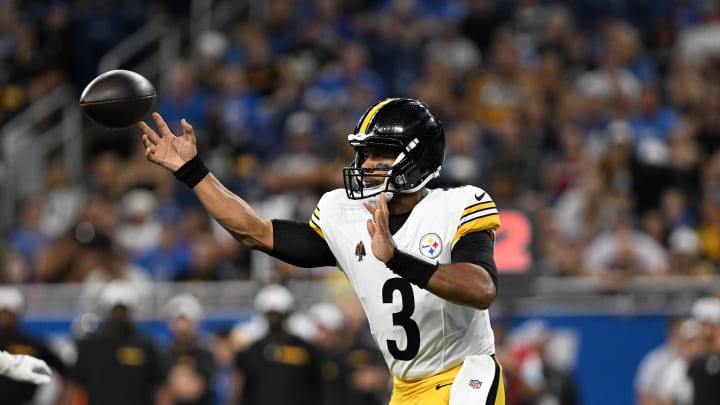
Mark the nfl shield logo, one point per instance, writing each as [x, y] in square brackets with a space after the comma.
[475, 384]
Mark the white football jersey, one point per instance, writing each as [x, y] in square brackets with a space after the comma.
[419, 333]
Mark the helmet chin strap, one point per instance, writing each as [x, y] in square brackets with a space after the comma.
[388, 195]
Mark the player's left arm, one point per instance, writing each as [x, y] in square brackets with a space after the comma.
[470, 279]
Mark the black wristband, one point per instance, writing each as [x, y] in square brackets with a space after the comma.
[412, 268]
[192, 172]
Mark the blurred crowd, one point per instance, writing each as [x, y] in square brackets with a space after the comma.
[685, 368]
[597, 122]
[282, 353]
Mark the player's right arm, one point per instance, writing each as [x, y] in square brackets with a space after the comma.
[235, 215]
[231, 211]
[293, 242]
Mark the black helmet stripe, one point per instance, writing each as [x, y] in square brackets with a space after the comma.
[370, 115]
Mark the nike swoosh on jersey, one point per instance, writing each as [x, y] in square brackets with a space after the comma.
[480, 197]
[437, 387]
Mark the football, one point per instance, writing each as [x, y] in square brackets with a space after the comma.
[118, 98]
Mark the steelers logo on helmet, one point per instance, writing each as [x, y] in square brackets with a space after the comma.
[407, 125]
[431, 245]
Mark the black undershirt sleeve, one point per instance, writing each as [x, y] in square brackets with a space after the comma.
[298, 244]
[476, 248]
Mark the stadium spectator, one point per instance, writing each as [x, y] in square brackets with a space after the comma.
[15, 341]
[238, 110]
[190, 363]
[102, 178]
[706, 311]
[28, 238]
[277, 357]
[119, 365]
[709, 230]
[652, 120]
[353, 373]
[172, 258]
[494, 95]
[464, 143]
[704, 375]
[539, 380]
[653, 364]
[107, 263]
[674, 384]
[223, 356]
[453, 49]
[69, 257]
[684, 253]
[210, 48]
[683, 380]
[704, 370]
[617, 255]
[184, 98]
[62, 198]
[139, 226]
[611, 81]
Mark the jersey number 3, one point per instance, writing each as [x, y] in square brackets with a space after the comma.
[402, 318]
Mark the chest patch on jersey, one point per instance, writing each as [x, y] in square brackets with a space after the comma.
[431, 245]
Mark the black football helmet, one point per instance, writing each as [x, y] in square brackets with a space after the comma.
[409, 126]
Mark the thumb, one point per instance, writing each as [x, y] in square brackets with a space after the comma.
[371, 227]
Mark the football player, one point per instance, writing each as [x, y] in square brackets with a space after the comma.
[431, 277]
[23, 367]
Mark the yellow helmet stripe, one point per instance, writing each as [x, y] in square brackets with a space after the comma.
[371, 114]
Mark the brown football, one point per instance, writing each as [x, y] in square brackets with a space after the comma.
[118, 98]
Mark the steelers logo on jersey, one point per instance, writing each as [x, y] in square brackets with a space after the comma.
[431, 245]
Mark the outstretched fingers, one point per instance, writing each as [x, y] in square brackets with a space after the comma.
[162, 126]
[188, 131]
[149, 146]
[149, 133]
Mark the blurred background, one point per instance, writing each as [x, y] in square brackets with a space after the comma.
[594, 125]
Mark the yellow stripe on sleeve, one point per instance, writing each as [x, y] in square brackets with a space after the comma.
[477, 207]
[491, 221]
[369, 116]
[316, 228]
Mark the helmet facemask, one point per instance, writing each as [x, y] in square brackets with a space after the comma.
[403, 176]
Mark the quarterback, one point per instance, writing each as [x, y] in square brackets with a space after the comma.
[430, 277]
